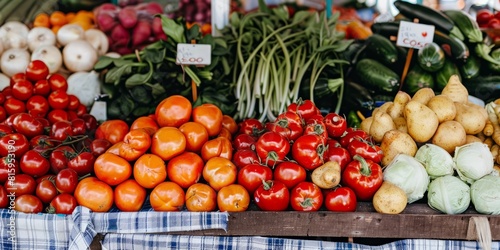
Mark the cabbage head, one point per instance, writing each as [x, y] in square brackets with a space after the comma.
[448, 194]
[485, 195]
[408, 174]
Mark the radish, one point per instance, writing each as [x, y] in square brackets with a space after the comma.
[156, 26]
[106, 21]
[119, 33]
[127, 17]
[141, 32]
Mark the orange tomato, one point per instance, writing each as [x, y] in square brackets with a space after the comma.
[129, 196]
[115, 148]
[173, 111]
[196, 135]
[112, 130]
[168, 142]
[224, 132]
[55, 29]
[230, 124]
[58, 18]
[167, 196]
[206, 29]
[145, 122]
[112, 169]
[94, 194]
[219, 172]
[185, 169]
[128, 153]
[210, 116]
[150, 170]
[201, 197]
[70, 16]
[42, 20]
[233, 198]
[135, 143]
[217, 147]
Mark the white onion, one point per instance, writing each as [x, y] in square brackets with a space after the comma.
[50, 55]
[79, 55]
[70, 32]
[84, 85]
[98, 40]
[473, 161]
[14, 61]
[40, 36]
[4, 81]
[14, 34]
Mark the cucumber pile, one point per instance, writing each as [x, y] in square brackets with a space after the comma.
[459, 47]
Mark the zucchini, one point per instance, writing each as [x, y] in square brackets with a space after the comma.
[428, 15]
[377, 77]
[471, 68]
[495, 54]
[452, 46]
[386, 29]
[382, 48]
[467, 25]
[431, 57]
[486, 88]
[357, 97]
[416, 79]
[443, 75]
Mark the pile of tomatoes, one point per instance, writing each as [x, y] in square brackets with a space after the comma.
[46, 142]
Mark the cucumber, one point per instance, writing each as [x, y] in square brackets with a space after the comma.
[486, 88]
[380, 47]
[471, 68]
[376, 76]
[452, 46]
[443, 75]
[416, 79]
[467, 25]
[431, 57]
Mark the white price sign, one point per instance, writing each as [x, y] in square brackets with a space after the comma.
[414, 35]
[194, 54]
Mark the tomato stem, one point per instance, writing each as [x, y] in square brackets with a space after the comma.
[365, 168]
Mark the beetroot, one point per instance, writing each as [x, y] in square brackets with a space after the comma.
[141, 32]
[127, 17]
[105, 21]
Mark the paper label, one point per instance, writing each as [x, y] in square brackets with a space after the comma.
[414, 35]
[194, 54]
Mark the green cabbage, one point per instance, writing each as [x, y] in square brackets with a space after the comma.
[448, 194]
[485, 195]
[436, 160]
[408, 174]
[473, 161]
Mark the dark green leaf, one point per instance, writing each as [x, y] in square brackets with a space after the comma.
[208, 39]
[193, 33]
[141, 111]
[157, 90]
[113, 76]
[141, 94]
[127, 105]
[119, 62]
[172, 29]
[109, 90]
[154, 55]
[137, 79]
[113, 109]
[103, 62]
[158, 45]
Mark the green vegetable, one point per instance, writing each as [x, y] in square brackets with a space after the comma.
[483, 51]
[443, 75]
[357, 97]
[437, 161]
[471, 68]
[431, 57]
[21, 11]
[448, 194]
[382, 49]
[416, 79]
[8, 9]
[353, 120]
[486, 88]
[467, 25]
[485, 195]
[376, 76]
[452, 46]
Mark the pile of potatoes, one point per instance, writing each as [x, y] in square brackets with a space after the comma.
[448, 120]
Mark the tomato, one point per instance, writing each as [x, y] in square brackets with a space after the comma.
[149, 170]
[71, 115]
[78, 126]
[336, 125]
[37, 70]
[483, 16]
[46, 191]
[135, 143]
[365, 149]
[62, 204]
[337, 153]
[59, 158]
[66, 181]
[27, 125]
[272, 196]
[289, 173]
[352, 133]
[305, 108]
[129, 196]
[42, 143]
[230, 124]
[243, 141]
[309, 151]
[224, 132]
[94, 194]
[341, 199]
[3, 114]
[16, 77]
[173, 111]
[243, 157]
[42, 88]
[112, 169]
[9, 121]
[185, 169]
[210, 116]
[56, 115]
[22, 90]
[21, 184]
[289, 124]
[73, 102]
[7, 92]
[99, 146]
[201, 197]
[314, 127]
[363, 176]
[81, 110]
[34, 164]
[2, 98]
[251, 126]
[37, 105]
[167, 196]
[196, 135]
[217, 147]
[271, 147]
[306, 196]
[60, 130]
[8, 167]
[4, 198]
[115, 148]
[251, 176]
[168, 142]
[233, 198]
[14, 145]
[57, 82]
[5, 129]
[219, 172]
[91, 122]
[45, 122]
[494, 23]
[14, 106]
[112, 130]
[58, 99]
[83, 163]
[28, 203]
[145, 122]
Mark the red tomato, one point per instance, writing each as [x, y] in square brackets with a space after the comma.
[337, 153]
[41, 143]
[173, 111]
[28, 203]
[305, 108]
[309, 151]
[483, 16]
[112, 130]
[289, 124]
[217, 147]
[365, 149]
[78, 126]
[21, 184]
[60, 130]
[58, 99]
[27, 125]
[314, 127]
[167, 196]
[73, 102]
[34, 164]
[14, 106]
[244, 157]
[251, 126]
[81, 110]
[129, 196]
[271, 147]
[168, 142]
[22, 90]
[94, 194]
[233, 198]
[16, 77]
[83, 163]
[336, 125]
[66, 181]
[150, 170]
[363, 176]
[91, 122]
[243, 141]
[63, 204]
[289, 173]
[8, 167]
[4, 198]
[185, 169]
[219, 172]
[37, 105]
[352, 133]
[341, 199]
[306, 196]
[99, 146]
[37, 70]
[71, 115]
[58, 82]
[56, 115]
[46, 191]
[201, 197]
[210, 116]
[41, 88]
[196, 135]
[3, 114]
[272, 196]
[112, 169]
[5, 129]
[14, 145]
[2, 98]
[494, 23]
[253, 175]
[59, 158]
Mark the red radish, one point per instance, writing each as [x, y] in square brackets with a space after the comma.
[161, 36]
[154, 8]
[119, 33]
[141, 32]
[156, 26]
[106, 22]
[127, 17]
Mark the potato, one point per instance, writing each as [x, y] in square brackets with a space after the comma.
[382, 122]
[471, 118]
[421, 121]
[383, 108]
[327, 175]
[455, 90]
[401, 124]
[472, 138]
[449, 135]
[399, 103]
[366, 124]
[443, 106]
[423, 95]
[390, 199]
[396, 142]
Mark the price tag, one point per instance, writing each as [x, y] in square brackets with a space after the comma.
[98, 110]
[414, 35]
[194, 54]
